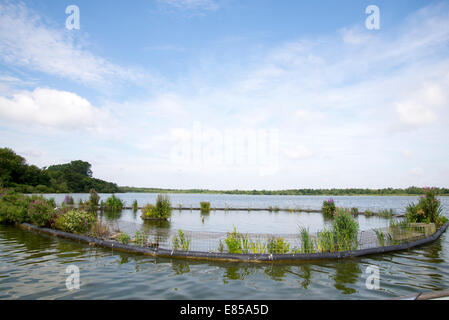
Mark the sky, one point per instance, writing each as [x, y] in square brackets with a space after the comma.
[230, 94]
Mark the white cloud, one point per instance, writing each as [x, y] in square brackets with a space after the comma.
[53, 109]
[27, 42]
[421, 106]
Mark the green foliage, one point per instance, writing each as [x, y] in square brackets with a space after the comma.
[428, 209]
[345, 229]
[113, 204]
[205, 207]
[162, 209]
[326, 241]
[306, 241]
[124, 238]
[234, 242]
[180, 241]
[75, 176]
[40, 212]
[328, 208]
[13, 207]
[308, 192]
[278, 245]
[75, 221]
[256, 247]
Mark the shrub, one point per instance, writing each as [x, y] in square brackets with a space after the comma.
[328, 208]
[40, 212]
[205, 207]
[180, 241]
[345, 229]
[13, 207]
[147, 211]
[75, 221]
[113, 204]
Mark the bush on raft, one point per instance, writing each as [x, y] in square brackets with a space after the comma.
[75, 221]
[162, 209]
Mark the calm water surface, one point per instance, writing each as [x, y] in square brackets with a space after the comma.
[33, 266]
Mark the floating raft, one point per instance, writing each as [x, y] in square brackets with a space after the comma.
[217, 256]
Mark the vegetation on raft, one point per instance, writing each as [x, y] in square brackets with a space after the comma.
[161, 210]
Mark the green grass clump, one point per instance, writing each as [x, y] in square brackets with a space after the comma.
[306, 241]
[345, 229]
[354, 212]
[385, 213]
[205, 207]
[326, 241]
[234, 242]
[278, 245]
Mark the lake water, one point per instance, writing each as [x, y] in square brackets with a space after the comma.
[33, 266]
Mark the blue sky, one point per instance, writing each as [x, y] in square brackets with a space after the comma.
[230, 94]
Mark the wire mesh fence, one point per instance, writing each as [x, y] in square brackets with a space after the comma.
[263, 243]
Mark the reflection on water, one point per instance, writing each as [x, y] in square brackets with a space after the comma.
[346, 273]
[33, 266]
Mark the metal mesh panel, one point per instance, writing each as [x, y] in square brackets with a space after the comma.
[255, 243]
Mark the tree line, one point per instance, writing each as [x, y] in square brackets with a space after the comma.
[73, 177]
[76, 177]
